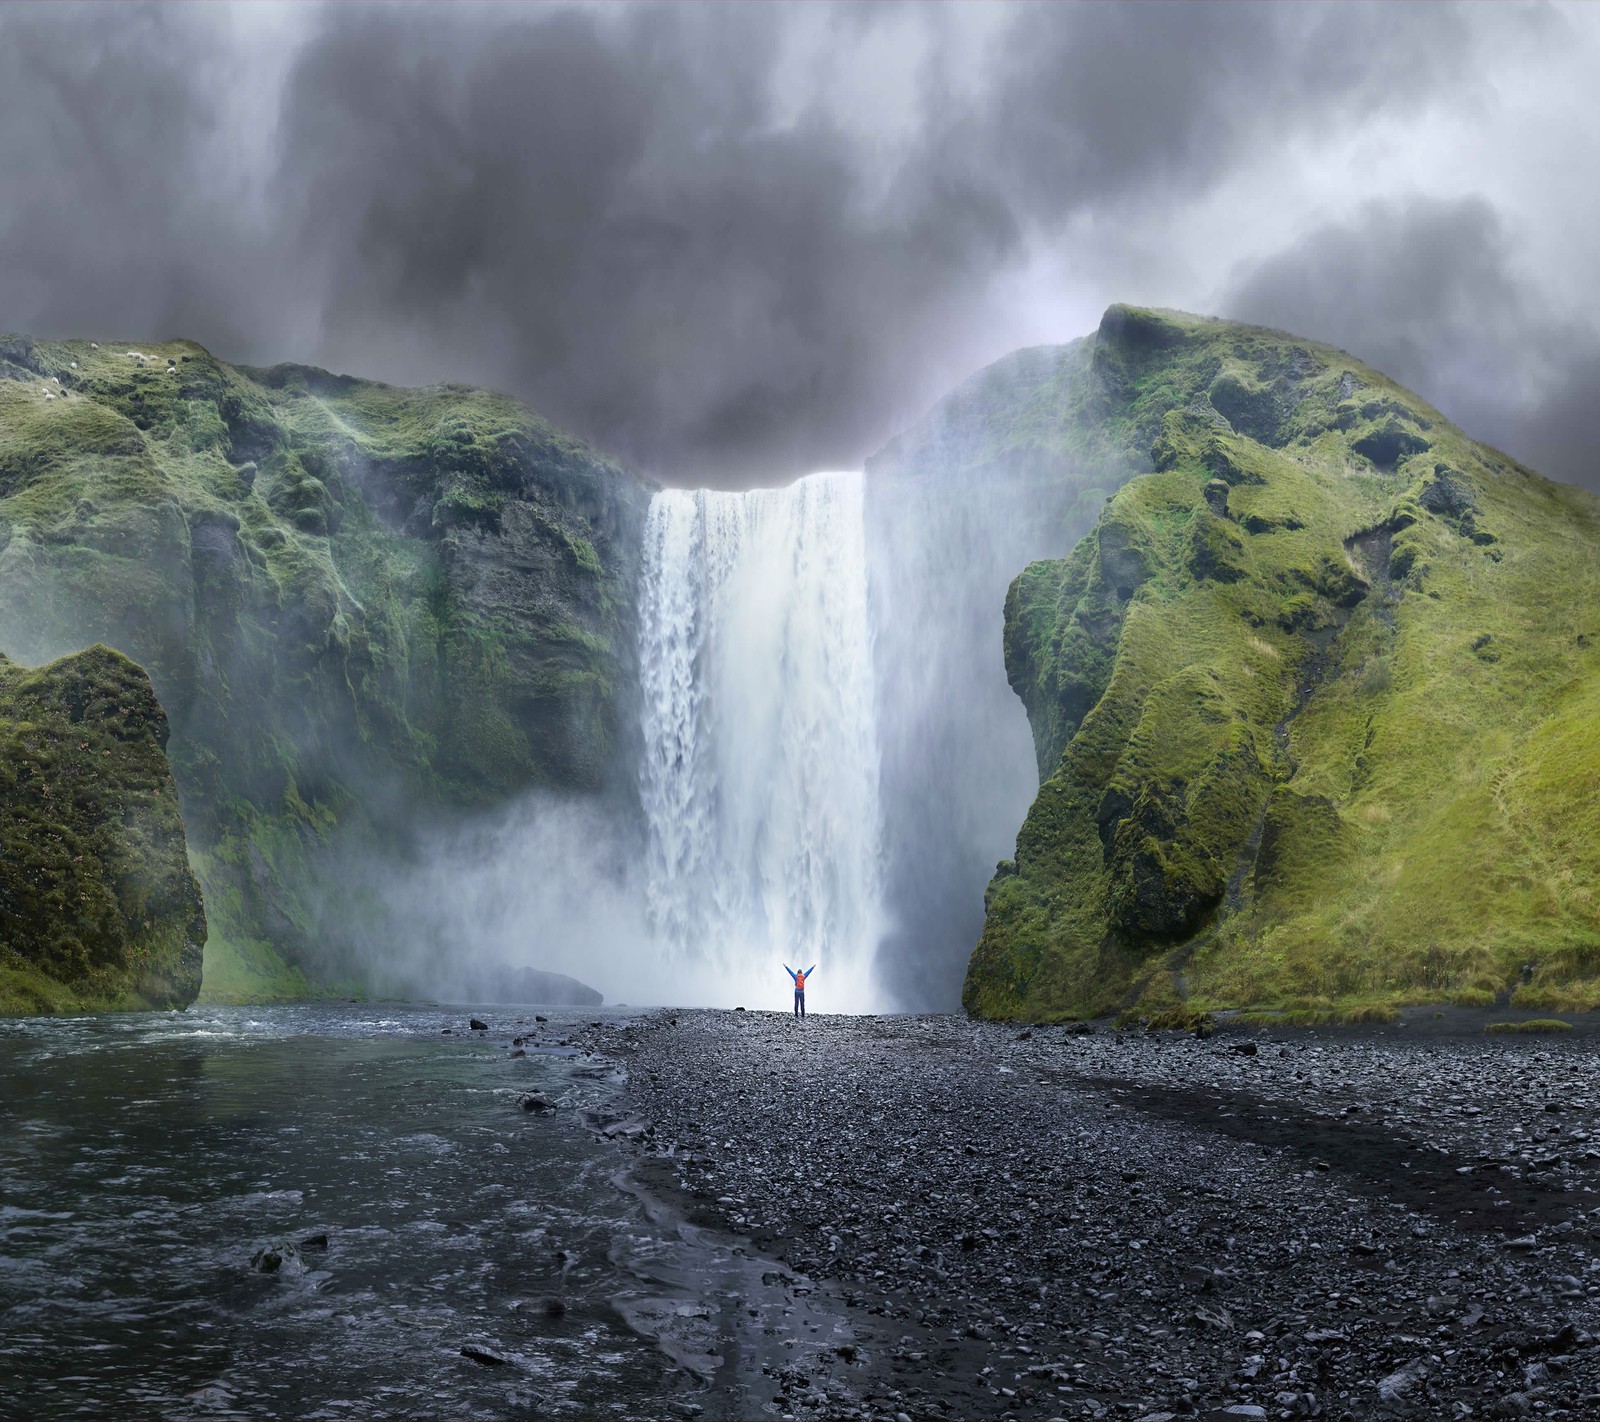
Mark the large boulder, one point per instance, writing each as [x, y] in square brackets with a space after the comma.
[98, 906]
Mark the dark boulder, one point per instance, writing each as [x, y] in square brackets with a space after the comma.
[279, 1257]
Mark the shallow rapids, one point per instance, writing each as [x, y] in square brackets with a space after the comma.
[145, 1160]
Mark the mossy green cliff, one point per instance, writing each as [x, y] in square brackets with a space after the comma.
[360, 606]
[98, 906]
[1316, 704]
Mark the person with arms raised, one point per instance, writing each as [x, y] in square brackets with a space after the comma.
[799, 987]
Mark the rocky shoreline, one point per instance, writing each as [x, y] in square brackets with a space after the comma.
[1046, 1222]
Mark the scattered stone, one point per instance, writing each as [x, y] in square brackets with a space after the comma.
[536, 1102]
[489, 1357]
[478, 1026]
[1123, 1225]
[1394, 1389]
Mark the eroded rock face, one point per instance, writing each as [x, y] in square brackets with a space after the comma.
[1273, 694]
[98, 906]
[361, 607]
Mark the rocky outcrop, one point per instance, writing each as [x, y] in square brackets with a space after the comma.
[1308, 704]
[362, 607]
[98, 906]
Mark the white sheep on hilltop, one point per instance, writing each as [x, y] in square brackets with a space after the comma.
[94, 345]
[73, 364]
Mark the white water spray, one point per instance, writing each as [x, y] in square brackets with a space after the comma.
[760, 774]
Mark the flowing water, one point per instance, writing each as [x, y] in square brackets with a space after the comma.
[146, 1159]
[761, 749]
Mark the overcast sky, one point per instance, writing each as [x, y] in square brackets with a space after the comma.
[731, 244]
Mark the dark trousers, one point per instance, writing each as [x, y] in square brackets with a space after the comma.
[799, 1002]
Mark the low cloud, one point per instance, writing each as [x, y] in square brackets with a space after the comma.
[727, 243]
[1429, 292]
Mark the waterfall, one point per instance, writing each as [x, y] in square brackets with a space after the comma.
[760, 772]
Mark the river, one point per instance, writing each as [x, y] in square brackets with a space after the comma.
[146, 1160]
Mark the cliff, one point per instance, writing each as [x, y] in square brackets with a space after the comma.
[1012, 465]
[98, 907]
[1314, 704]
[362, 608]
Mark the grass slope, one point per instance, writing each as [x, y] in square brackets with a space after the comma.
[360, 605]
[98, 907]
[1316, 705]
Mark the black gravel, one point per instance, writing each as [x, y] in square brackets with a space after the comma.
[1045, 1223]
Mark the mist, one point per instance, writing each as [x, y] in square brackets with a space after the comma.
[548, 882]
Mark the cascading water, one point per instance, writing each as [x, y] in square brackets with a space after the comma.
[760, 773]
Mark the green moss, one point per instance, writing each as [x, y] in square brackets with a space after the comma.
[98, 907]
[1473, 997]
[1537, 1024]
[1169, 1019]
[350, 597]
[1305, 738]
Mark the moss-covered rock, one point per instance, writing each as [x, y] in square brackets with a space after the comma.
[361, 606]
[98, 906]
[1313, 703]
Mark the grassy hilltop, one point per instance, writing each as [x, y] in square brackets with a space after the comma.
[360, 606]
[98, 907]
[1316, 703]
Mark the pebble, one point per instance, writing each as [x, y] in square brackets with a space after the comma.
[1145, 1225]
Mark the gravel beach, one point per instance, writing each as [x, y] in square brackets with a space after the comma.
[1051, 1222]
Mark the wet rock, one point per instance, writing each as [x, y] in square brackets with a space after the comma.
[1395, 1389]
[315, 1243]
[628, 1128]
[278, 1258]
[536, 1102]
[482, 1353]
[478, 1026]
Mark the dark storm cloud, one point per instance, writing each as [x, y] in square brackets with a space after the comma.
[728, 243]
[1118, 99]
[1428, 292]
[101, 133]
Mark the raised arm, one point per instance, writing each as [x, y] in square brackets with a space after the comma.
[788, 970]
[811, 970]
